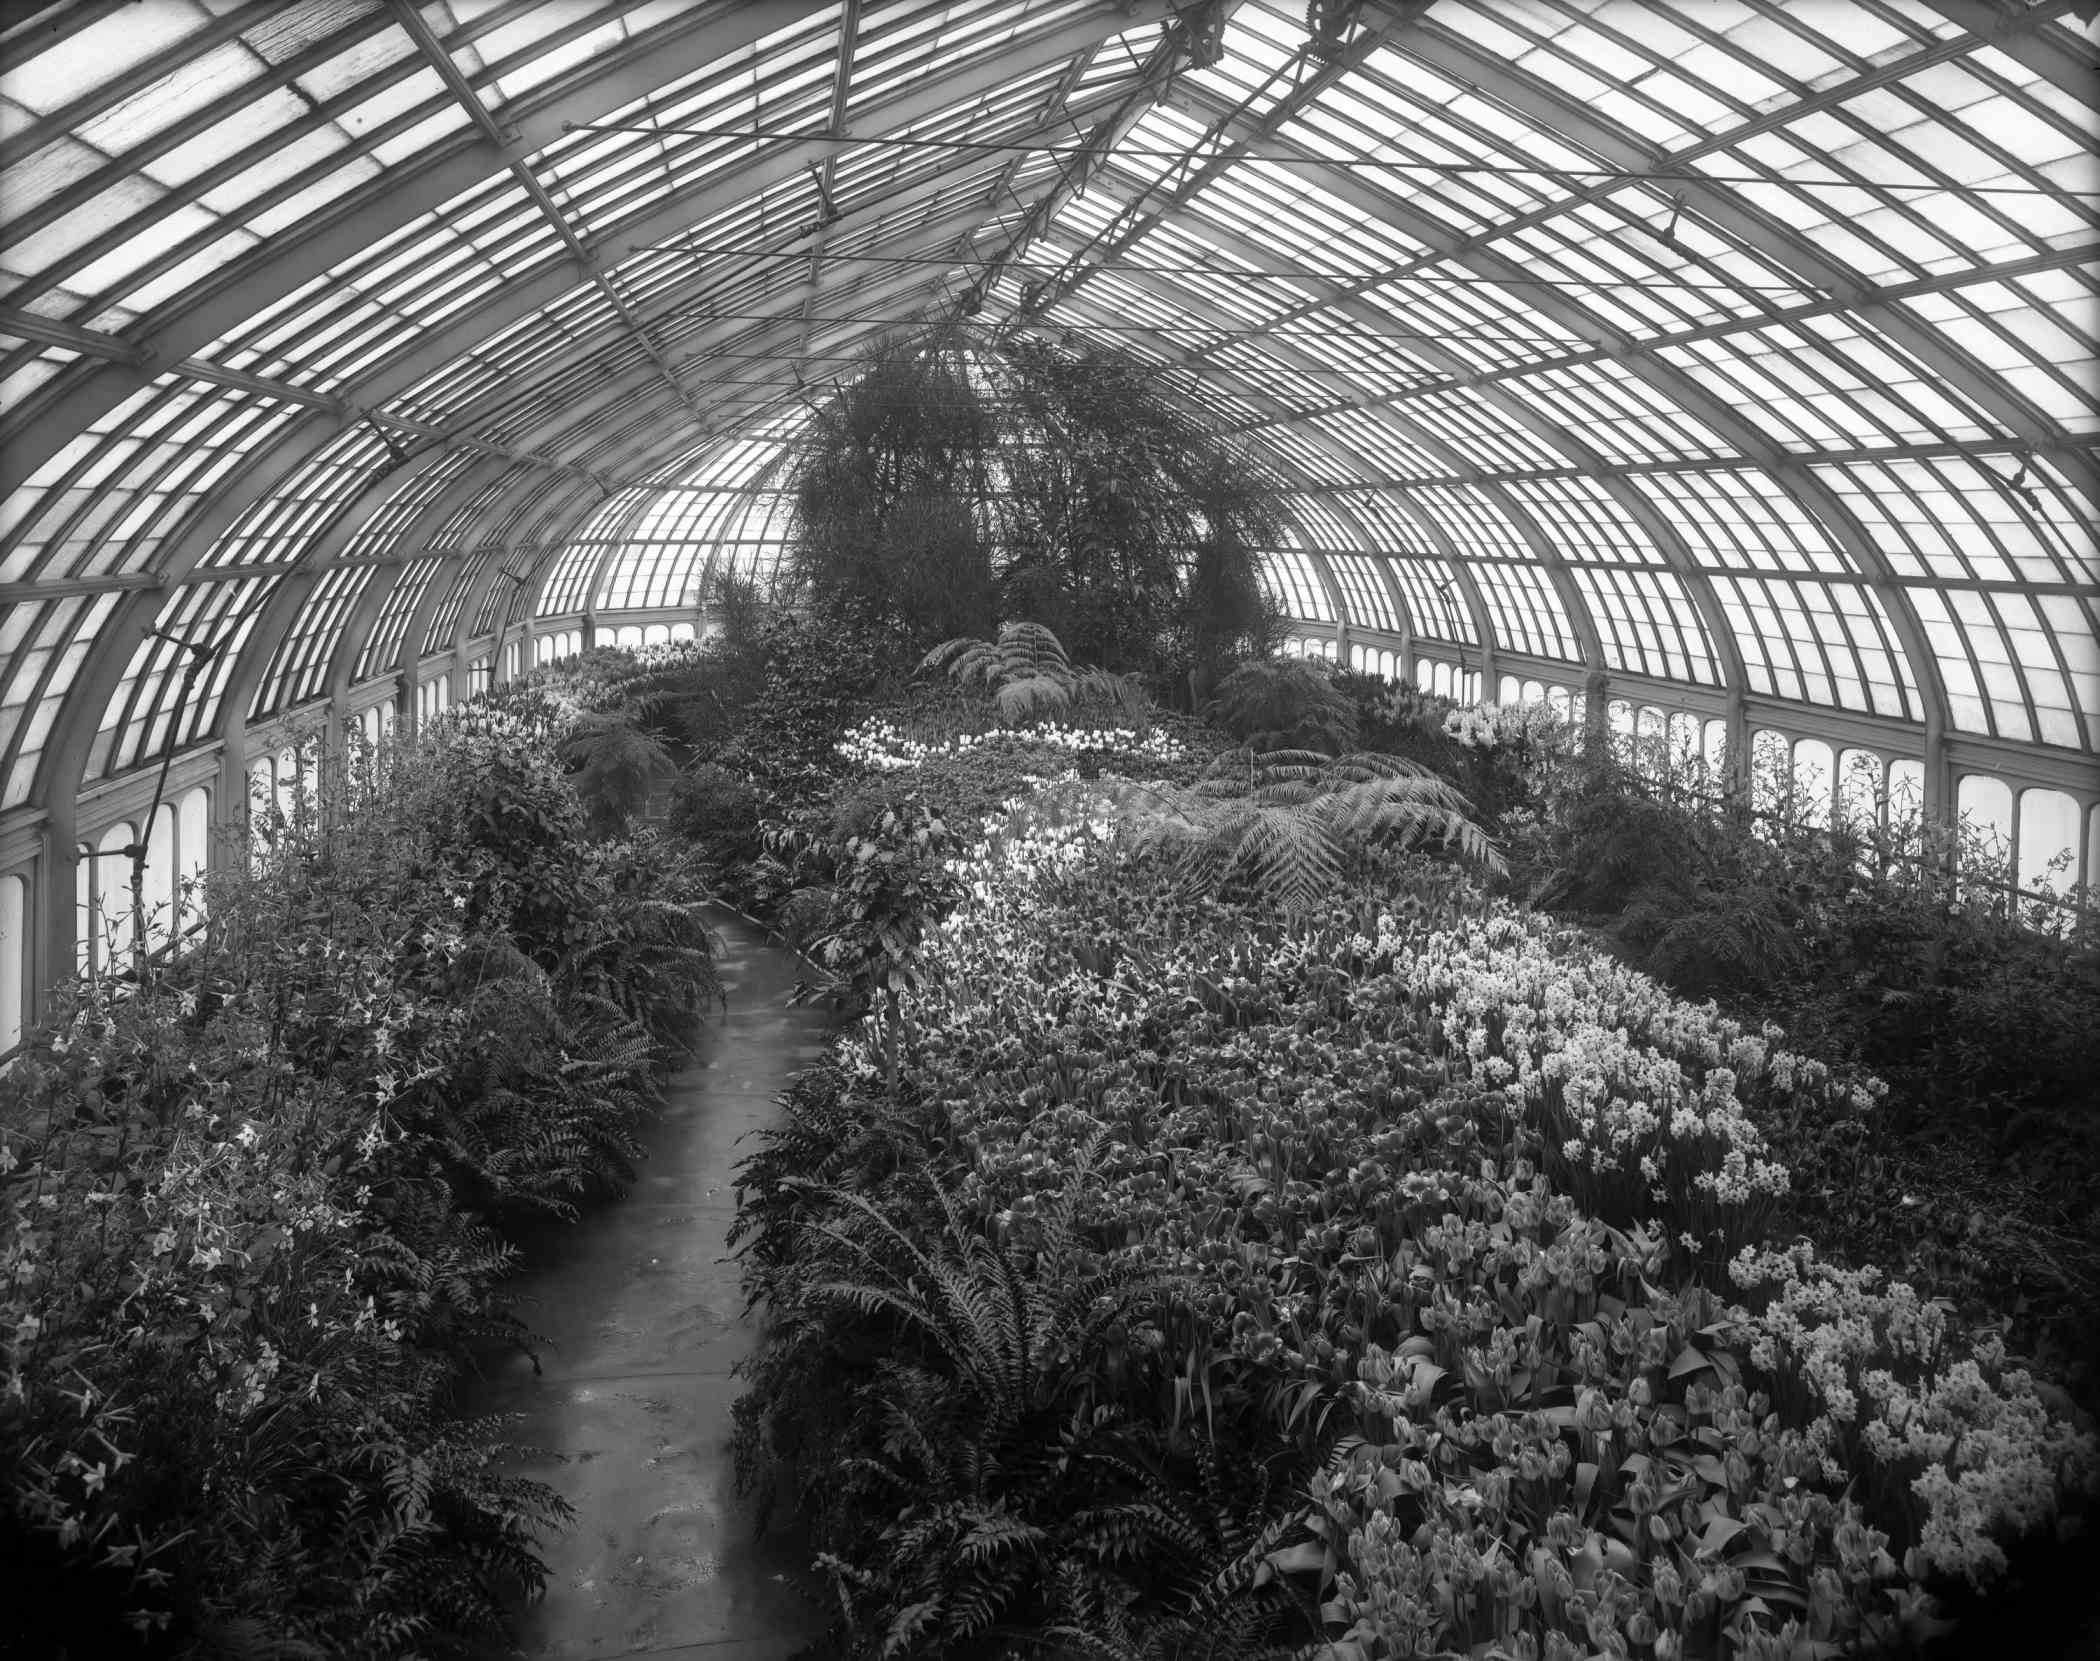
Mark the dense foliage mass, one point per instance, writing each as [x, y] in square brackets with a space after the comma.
[259, 1207]
[1175, 1259]
[940, 493]
[1441, 1221]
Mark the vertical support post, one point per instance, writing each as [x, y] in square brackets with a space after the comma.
[55, 896]
[1737, 780]
[1596, 720]
[230, 799]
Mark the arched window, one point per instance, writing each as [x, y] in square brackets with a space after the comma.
[1861, 789]
[1985, 804]
[1815, 781]
[2048, 842]
[14, 958]
[103, 901]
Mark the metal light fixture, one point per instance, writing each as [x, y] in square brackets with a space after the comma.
[1329, 23]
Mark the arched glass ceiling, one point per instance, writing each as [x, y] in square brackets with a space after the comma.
[1746, 345]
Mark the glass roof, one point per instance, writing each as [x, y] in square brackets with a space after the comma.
[1738, 345]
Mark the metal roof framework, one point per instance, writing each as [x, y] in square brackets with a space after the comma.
[1745, 346]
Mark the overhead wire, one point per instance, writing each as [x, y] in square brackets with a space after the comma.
[1453, 169]
[1295, 274]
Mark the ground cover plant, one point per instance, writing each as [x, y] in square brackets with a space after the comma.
[1871, 945]
[258, 1208]
[1391, 1273]
[1864, 942]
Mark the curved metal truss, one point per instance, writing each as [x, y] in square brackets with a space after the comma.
[1736, 353]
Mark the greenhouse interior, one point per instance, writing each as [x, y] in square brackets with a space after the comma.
[1100, 828]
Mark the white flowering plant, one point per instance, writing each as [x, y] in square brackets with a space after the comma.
[255, 1203]
[881, 745]
[1448, 1183]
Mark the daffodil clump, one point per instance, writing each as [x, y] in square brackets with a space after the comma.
[1645, 1099]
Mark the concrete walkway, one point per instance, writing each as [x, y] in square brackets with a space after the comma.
[632, 1404]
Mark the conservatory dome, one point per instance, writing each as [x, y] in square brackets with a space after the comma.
[1724, 365]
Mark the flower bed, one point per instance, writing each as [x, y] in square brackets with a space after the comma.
[1445, 1216]
[882, 746]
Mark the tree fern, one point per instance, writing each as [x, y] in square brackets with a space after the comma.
[1285, 704]
[617, 766]
[1282, 821]
[1028, 674]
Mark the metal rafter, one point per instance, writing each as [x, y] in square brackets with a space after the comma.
[113, 349]
[1154, 75]
[1555, 110]
[1721, 639]
[1131, 226]
[409, 14]
[1576, 608]
[2061, 56]
[521, 299]
[683, 46]
[175, 135]
[1754, 447]
[827, 171]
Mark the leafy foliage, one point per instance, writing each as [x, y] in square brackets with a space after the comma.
[1862, 940]
[1446, 1212]
[1133, 527]
[1018, 1493]
[1029, 676]
[617, 767]
[940, 490]
[1282, 822]
[718, 810]
[260, 1206]
[1286, 704]
[889, 532]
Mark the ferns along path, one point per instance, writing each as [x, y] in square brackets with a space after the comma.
[629, 1414]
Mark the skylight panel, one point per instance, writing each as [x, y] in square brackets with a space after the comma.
[103, 52]
[1771, 39]
[427, 136]
[1858, 31]
[359, 63]
[1725, 76]
[524, 59]
[1375, 438]
[1368, 601]
[192, 87]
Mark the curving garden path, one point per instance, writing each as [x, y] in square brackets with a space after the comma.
[630, 1413]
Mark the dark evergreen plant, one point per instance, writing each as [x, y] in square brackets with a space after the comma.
[889, 528]
[939, 493]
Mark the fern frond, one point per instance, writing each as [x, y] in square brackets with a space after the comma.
[1032, 697]
[1030, 650]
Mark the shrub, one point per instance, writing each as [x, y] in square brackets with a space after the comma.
[720, 811]
[1285, 704]
[257, 1203]
[1280, 822]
